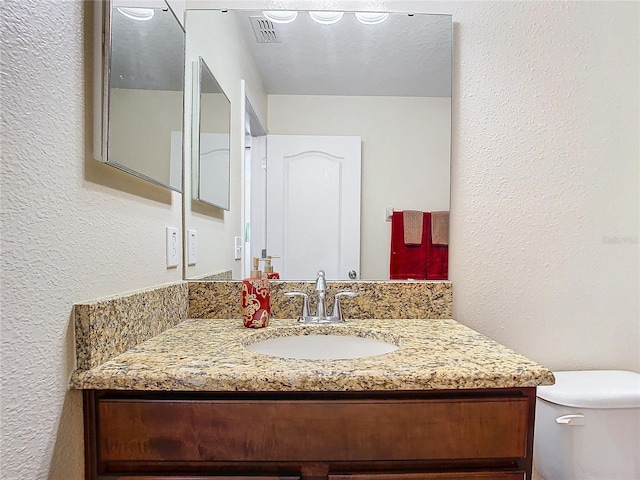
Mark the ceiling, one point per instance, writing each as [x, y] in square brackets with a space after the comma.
[157, 61]
[407, 55]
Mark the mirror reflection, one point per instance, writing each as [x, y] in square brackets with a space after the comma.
[255, 205]
[211, 113]
[388, 84]
[144, 88]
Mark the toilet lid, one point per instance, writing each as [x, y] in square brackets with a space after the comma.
[594, 389]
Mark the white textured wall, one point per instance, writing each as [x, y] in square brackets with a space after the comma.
[405, 156]
[72, 230]
[545, 190]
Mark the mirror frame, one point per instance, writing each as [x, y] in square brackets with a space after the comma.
[103, 19]
[200, 67]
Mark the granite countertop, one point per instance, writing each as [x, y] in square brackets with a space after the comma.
[210, 355]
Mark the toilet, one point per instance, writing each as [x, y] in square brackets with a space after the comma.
[588, 426]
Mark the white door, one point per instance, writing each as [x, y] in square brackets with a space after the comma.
[313, 205]
[213, 177]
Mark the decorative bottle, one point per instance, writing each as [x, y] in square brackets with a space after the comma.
[255, 297]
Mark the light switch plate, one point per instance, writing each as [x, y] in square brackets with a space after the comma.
[173, 247]
[192, 247]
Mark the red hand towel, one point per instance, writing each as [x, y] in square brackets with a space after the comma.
[438, 264]
[408, 261]
[422, 262]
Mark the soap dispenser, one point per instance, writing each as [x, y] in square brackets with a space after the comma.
[255, 298]
[268, 269]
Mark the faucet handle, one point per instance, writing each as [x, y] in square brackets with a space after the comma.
[321, 282]
[337, 309]
[305, 303]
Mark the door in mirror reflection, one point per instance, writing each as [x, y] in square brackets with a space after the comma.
[313, 205]
[213, 178]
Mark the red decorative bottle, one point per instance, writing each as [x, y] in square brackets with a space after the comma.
[256, 306]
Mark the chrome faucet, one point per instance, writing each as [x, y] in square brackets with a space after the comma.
[321, 315]
[321, 291]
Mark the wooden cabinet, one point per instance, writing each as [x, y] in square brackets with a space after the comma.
[494, 475]
[358, 476]
[208, 477]
[439, 435]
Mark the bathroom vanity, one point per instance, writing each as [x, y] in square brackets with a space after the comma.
[474, 434]
[194, 402]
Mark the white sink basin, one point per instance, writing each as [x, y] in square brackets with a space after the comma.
[322, 347]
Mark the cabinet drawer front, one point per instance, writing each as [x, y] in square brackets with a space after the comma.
[208, 477]
[433, 476]
[308, 430]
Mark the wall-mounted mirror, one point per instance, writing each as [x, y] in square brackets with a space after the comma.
[143, 75]
[388, 83]
[210, 151]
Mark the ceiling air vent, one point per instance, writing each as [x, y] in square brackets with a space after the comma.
[264, 30]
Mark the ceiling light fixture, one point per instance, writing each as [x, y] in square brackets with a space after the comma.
[326, 18]
[135, 13]
[371, 18]
[280, 16]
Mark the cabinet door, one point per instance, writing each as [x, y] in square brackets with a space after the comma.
[432, 476]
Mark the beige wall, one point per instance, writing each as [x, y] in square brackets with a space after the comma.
[140, 131]
[229, 62]
[405, 155]
[215, 114]
[544, 200]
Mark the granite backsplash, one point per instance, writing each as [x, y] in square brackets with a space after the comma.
[107, 327]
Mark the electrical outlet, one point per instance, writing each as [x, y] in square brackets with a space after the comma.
[192, 247]
[173, 247]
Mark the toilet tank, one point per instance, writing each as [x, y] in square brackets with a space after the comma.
[588, 426]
